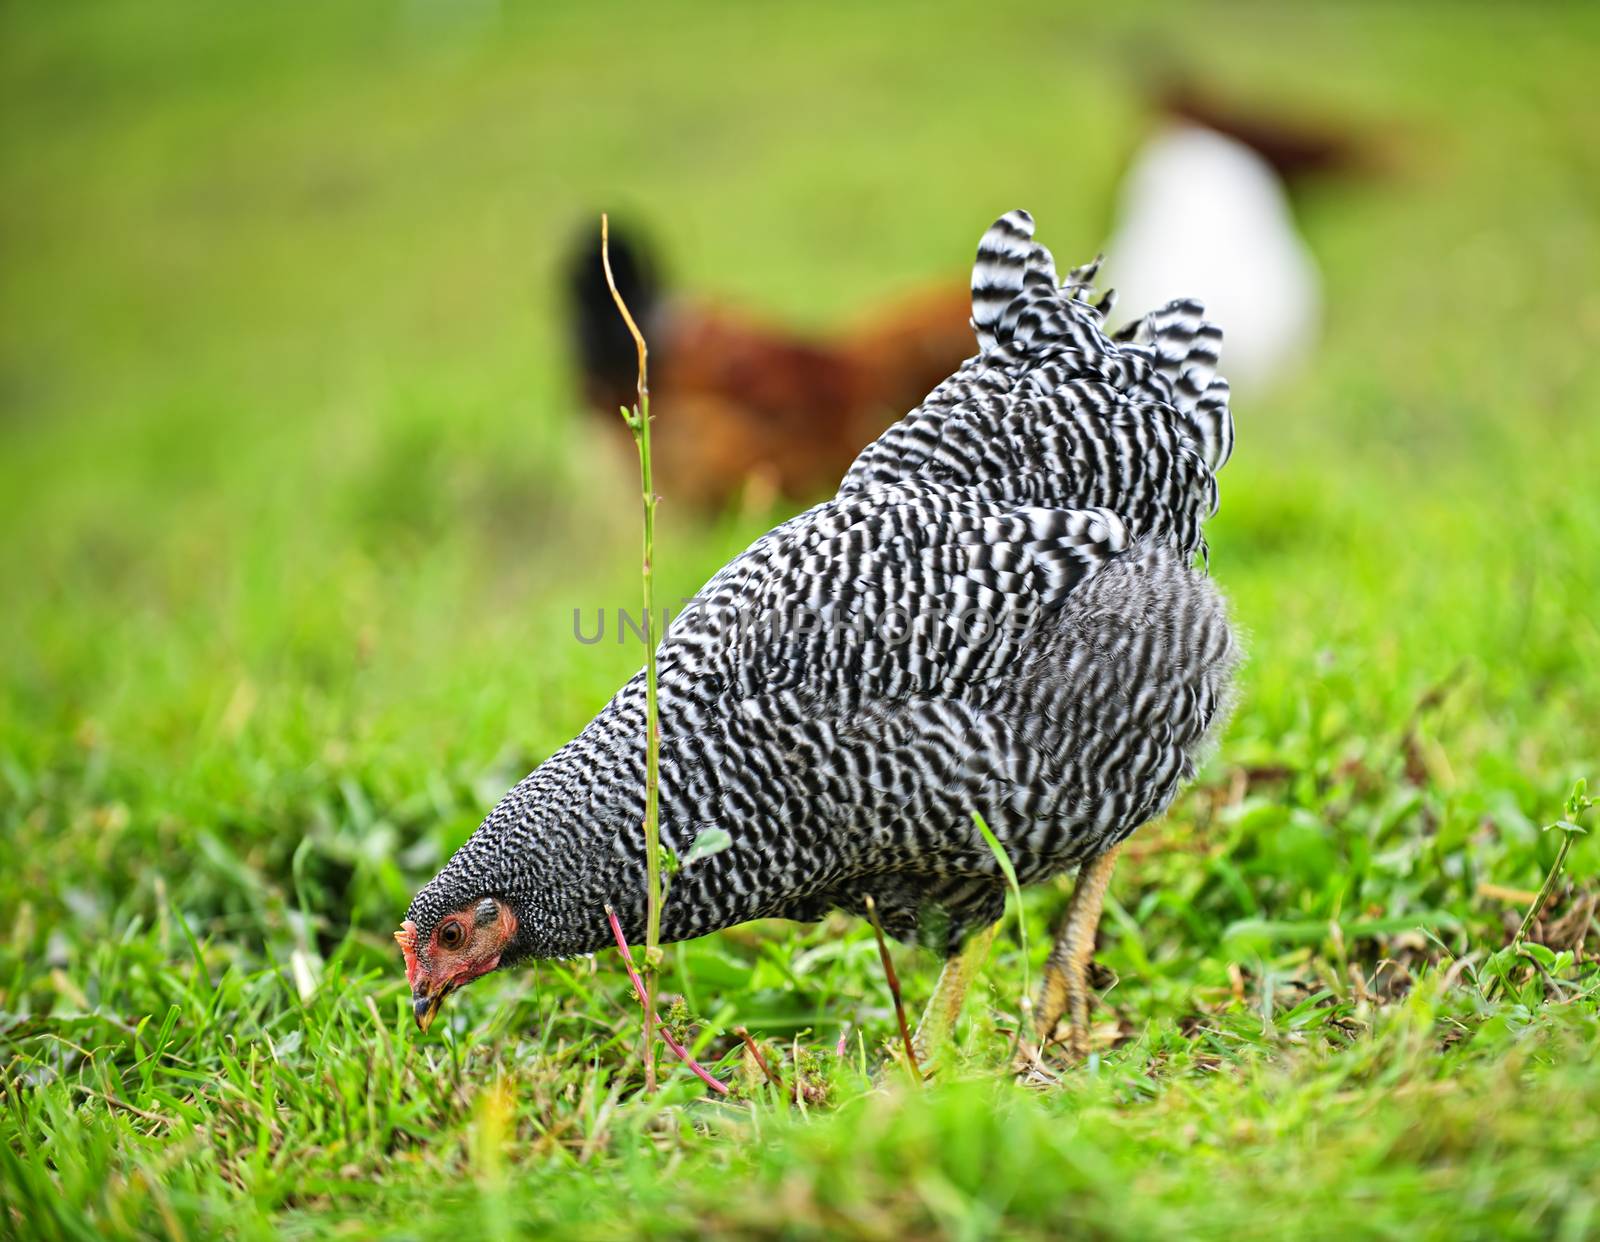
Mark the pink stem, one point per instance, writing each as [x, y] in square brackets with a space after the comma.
[638, 988]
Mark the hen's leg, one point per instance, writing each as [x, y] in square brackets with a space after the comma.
[1066, 974]
[950, 993]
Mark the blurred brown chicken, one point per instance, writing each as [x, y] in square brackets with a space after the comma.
[1300, 146]
[744, 408]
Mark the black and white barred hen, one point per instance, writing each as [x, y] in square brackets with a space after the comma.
[999, 613]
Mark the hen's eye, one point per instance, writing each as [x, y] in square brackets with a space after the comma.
[451, 935]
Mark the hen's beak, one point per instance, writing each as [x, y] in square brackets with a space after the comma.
[425, 1004]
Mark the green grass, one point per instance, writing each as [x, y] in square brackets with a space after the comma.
[296, 510]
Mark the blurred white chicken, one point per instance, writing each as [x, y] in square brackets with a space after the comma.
[1206, 214]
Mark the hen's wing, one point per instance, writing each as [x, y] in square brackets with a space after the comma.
[913, 590]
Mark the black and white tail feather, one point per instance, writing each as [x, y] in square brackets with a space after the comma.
[1052, 409]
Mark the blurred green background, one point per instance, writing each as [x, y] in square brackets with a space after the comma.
[298, 502]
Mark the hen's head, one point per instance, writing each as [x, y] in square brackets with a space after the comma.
[534, 880]
[447, 947]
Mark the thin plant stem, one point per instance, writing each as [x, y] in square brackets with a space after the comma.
[1545, 890]
[639, 424]
[1578, 802]
[755, 1051]
[1003, 859]
[912, 1067]
[677, 1049]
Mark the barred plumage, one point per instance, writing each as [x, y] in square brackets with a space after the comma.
[998, 613]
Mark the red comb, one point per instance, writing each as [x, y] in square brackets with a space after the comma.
[406, 938]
